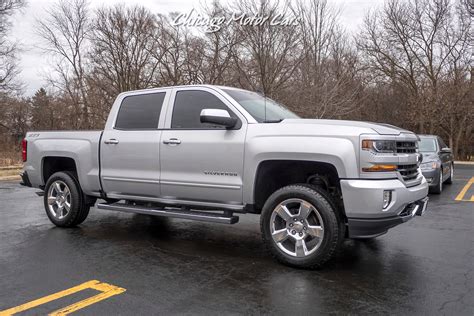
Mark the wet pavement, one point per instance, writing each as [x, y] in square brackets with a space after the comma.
[170, 266]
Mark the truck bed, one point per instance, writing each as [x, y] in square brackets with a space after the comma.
[82, 146]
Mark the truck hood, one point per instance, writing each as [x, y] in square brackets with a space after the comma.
[382, 129]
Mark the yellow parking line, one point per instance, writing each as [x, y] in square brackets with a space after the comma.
[107, 290]
[461, 194]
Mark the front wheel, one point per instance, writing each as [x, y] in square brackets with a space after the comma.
[439, 187]
[301, 227]
[64, 201]
[451, 175]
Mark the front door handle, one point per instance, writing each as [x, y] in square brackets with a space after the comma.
[111, 141]
[172, 141]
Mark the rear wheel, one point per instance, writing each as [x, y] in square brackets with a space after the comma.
[64, 201]
[301, 227]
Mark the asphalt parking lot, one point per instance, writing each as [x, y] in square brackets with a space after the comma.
[117, 263]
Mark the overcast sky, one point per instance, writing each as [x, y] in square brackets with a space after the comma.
[35, 65]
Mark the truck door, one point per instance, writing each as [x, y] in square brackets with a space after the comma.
[130, 151]
[199, 161]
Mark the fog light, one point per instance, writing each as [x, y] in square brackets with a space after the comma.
[429, 180]
[387, 198]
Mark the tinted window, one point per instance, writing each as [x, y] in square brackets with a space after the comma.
[140, 111]
[262, 109]
[188, 106]
[427, 145]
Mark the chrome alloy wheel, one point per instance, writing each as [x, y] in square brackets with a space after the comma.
[59, 199]
[297, 227]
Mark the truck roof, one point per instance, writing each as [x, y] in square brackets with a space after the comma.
[180, 86]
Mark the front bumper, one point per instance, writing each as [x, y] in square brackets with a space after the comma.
[363, 204]
[368, 228]
[432, 176]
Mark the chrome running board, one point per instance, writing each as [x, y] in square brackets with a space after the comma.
[223, 218]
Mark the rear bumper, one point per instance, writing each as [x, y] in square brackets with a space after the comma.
[25, 180]
[368, 228]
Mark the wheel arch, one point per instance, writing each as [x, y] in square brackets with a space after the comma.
[272, 175]
[53, 164]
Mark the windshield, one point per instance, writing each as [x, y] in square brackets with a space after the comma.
[262, 109]
[427, 145]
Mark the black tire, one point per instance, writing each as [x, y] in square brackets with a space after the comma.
[439, 187]
[78, 210]
[451, 175]
[333, 232]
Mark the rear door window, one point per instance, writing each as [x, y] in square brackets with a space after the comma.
[140, 112]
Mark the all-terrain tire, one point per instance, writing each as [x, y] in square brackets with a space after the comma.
[77, 211]
[333, 223]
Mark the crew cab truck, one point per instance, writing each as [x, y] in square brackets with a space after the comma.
[209, 153]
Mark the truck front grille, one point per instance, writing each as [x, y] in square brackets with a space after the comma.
[408, 172]
[406, 147]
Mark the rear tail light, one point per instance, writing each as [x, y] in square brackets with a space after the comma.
[24, 146]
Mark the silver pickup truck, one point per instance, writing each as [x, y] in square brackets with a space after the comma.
[210, 152]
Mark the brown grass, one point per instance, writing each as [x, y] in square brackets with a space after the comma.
[9, 172]
[9, 158]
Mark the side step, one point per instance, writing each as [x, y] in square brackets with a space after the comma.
[225, 218]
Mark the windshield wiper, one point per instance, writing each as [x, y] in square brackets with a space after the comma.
[273, 121]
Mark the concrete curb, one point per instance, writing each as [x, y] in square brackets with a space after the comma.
[11, 167]
[464, 162]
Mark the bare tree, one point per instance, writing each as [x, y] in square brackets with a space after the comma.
[419, 46]
[326, 82]
[14, 117]
[125, 45]
[219, 48]
[64, 32]
[269, 54]
[173, 48]
[411, 64]
[8, 50]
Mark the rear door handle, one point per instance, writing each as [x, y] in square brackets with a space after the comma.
[111, 141]
[172, 141]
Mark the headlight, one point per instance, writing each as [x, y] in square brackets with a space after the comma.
[429, 165]
[380, 146]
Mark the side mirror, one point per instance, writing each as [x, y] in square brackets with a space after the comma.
[446, 150]
[218, 117]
